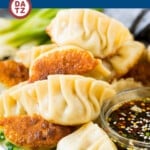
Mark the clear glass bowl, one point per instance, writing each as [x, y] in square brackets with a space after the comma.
[108, 107]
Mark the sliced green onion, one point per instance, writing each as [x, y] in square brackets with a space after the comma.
[9, 146]
[2, 137]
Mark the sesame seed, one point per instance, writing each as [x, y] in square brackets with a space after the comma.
[132, 119]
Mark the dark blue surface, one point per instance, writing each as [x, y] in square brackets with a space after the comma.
[85, 3]
[4, 3]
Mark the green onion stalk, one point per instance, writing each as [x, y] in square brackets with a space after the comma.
[31, 29]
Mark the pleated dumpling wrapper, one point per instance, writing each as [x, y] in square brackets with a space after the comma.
[61, 99]
[68, 59]
[88, 29]
[27, 57]
[105, 37]
[88, 137]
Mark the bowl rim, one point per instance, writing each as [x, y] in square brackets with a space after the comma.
[112, 133]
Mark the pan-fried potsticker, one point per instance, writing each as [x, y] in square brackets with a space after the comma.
[61, 99]
[90, 30]
[106, 38]
[68, 60]
[88, 137]
[64, 87]
[41, 113]
[33, 132]
[12, 73]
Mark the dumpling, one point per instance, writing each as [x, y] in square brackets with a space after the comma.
[68, 60]
[7, 51]
[71, 59]
[27, 57]
[106, 38]
[88, 29]
[9, 105]
[31, 132]
[125, 84]
[127, 56]
[88, 137]
[140, 71]
[12, 73]
[61, 99]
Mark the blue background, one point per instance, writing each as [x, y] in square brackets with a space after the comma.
[85, 3]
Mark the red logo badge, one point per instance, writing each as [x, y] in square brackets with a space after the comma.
[20, 8]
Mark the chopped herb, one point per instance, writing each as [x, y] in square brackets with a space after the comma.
[147, 133]
[9, 146]
[2, 137]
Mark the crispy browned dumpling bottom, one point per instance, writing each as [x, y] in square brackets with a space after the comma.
[62, 62]
[12, 72]
[33, 132]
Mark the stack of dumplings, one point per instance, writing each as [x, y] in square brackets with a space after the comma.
[89, 29]
[68, 82]
[106, 38]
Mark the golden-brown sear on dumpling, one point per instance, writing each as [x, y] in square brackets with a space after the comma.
[66, 60]
[12, 72]
[106, 38]
[88, 29]
[33, 131]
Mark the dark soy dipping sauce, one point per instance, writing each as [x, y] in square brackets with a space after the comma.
[132, 119]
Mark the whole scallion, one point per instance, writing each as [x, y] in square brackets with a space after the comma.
[31, 29]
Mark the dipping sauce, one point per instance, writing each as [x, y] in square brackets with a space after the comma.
[131, 119]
